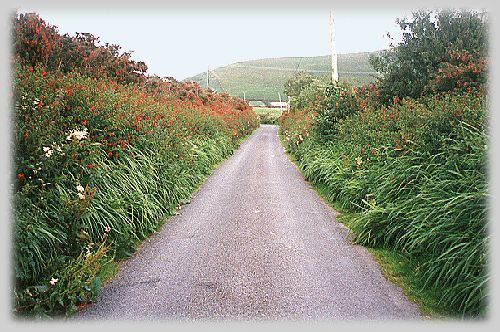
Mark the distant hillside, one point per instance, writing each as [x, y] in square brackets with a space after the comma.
[262, 79]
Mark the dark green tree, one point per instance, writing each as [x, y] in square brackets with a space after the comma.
[429, 37]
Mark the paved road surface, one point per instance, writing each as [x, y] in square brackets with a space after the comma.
[255, 243]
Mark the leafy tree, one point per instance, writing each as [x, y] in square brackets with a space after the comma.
[298, 82]
[338, 102]
[429, 39]
[305, 90]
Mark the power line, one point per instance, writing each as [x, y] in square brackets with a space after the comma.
[298, 65]
[217, 79]
[310, 70]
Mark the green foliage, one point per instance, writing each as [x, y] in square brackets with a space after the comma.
[416, 174]
[67, 288]
[119, 181]
[413, 169]
[297, 83]
[429, 38]
[337, 103]
[309, 96]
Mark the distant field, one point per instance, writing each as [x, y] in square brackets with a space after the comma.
[256, 103]
[263, 79]
[268, 115]
[267, 110]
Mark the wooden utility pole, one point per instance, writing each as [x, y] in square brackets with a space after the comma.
[208, 77]
[335, 73]
[281, 107]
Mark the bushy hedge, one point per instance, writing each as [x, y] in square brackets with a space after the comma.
[99, 165]
[40, 43]
[416, 173]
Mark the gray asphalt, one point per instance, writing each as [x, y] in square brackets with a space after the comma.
[255, 243]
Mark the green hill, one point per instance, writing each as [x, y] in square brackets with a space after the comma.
[262, 79]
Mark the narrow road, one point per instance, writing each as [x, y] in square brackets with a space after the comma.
[256, 242]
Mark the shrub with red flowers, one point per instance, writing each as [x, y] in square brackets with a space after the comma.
[464, 71]
[295, 127]
[38, 43]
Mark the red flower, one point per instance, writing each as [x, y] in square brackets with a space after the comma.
[30, 69]
[20, 176]
[90, 166]
[44, 73]
[110, 154]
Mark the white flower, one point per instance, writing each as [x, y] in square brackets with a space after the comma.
[80, 189]
[48, 151]
[77, 134]
[57, 148]
[81, 196]
[53, 281]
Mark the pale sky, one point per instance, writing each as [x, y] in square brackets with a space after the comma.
[183, 43]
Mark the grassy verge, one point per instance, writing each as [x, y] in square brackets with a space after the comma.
[397, 268]
[416, 180]
[110, 268]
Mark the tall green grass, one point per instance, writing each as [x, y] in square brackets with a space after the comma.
[133, 197]
[418, 182]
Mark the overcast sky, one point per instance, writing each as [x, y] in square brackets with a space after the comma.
[185, 43]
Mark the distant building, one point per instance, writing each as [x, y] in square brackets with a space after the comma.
[280, 104]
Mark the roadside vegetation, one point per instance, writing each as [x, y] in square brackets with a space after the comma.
[405, 158]
[103, 154]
